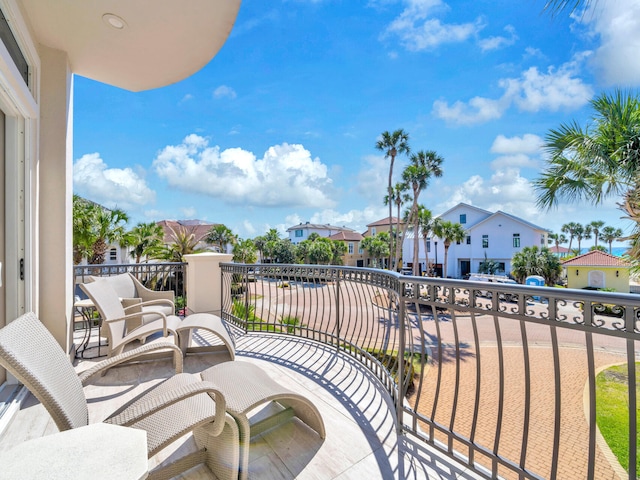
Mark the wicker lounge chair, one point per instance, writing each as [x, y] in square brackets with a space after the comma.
[138, 298]
[180, 404]
[120, 333]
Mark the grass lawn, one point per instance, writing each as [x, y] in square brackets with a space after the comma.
[612, 410]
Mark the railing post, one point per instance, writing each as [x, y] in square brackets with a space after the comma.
[338, 309]
[400, 389]
[204, 279]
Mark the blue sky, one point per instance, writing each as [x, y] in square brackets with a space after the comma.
[280, 127]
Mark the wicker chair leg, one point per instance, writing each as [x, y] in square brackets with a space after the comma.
[223, 454]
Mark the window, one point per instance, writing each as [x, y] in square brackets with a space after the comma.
[428, 245]
[373, 231]
[516, 240]
[299, 233]
[9, 40]
[463, 218]
[458, 242]
[542, 242]
[501, 267]
[485, 241]
[468, 239]
[350, 248]
[360, 249]
[113, 254]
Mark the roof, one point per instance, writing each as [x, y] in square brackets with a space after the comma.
[318, 226]
[347, 236]
[466, 205]
[384, 221]
[197, 227]
[595, 258]
[133, 45]
[512, 217]
[558, 249]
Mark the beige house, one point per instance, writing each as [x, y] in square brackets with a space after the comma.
[43, 44]
[355, 256]
[381, 225]
[597, 269]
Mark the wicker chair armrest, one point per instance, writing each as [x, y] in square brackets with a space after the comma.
[157, 403]
[159, 301]
[128, 355]
[148, 294]
[140, 315]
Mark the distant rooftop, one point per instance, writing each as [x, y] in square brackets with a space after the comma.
[595, 258]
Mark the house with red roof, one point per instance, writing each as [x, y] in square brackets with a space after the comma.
[597, 269]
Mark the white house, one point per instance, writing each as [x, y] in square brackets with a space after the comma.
[43, 43]
[301, 232]
[494, 236]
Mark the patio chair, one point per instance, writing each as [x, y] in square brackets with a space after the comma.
[120, 334]
[136, 297]
[179, 405]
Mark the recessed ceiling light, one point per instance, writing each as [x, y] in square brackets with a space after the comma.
[114, 21]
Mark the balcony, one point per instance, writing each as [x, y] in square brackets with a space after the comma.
[494, 380]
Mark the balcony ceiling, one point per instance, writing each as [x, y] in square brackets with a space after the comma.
[161, 41]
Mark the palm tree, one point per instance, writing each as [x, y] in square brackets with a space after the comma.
[556, 6]
[610, 234]
[557, 239]
[220, 236]
[535, 261]
[399, 197]
[244, 251]
[448, 232]
[108, 228]
[582, 232]
[596, 225]
[145, 238]
[377, 247]
[570, 229]
[83, 215]
[425, 223]
[184, 242]
[598, 161]
[423, 166]
[392, 144]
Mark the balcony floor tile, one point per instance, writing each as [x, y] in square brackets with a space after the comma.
[361, 440]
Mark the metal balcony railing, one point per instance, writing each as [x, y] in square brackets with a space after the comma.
[500, 377]
[155, 276]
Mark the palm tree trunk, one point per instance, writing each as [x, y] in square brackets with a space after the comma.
[444, 267]
[416, 240]
[390, 192]
[399, 240]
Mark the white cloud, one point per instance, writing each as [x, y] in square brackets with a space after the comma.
[533, 91]
[617, 23]
[224, 91]
[417, 30]
[111, 187]
[526, 144]
[189, 212]
[286, 175]
[185, 99]
[497, 42]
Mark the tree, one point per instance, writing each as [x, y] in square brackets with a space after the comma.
[448, 232]
[392, 144]
[557, 239]
[377, 247]
[220, 236]
[570, 229]
[244, 251]
[599, 161]
[184, 242]
[610, 235]
[487, 266]
[283, 251]
[596, 226]
[535, 261]
[399, 198]
[83, 215]
[582, 232]
[321, 251]
[426, 222]
[145, 239]
[423, 166]
[339, 250]
[108, 227]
